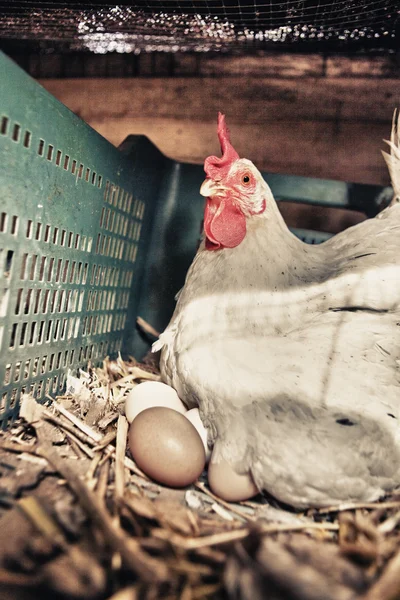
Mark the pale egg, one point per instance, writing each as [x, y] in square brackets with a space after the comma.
[229, 485]
[149, 394]
[166, 446]
[194, 417]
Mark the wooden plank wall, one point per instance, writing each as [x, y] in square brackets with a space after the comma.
[290, 113]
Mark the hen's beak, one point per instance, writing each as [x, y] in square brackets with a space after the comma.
[211, 188]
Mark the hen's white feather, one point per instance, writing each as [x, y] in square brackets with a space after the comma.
[292, 354]
[393, 159]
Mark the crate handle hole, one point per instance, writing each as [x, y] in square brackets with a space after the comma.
[27, 139]
[14, 225]
[16, 132]
[4, 125]
[9, 259]
[3, 222]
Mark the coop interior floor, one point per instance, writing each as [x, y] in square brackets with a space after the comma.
[72, 499]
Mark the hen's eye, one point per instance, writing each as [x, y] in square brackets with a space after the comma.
[246, 179]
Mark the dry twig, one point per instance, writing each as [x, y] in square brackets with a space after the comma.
[129, 549]
[147, 328]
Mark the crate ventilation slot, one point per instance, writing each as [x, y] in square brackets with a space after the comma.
[49, 152]
[64, 294]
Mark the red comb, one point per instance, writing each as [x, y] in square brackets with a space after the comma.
[218, 167]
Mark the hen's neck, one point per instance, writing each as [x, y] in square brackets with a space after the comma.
[271, 235]
[269, 253]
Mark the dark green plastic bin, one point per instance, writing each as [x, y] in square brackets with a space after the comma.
[91, 236]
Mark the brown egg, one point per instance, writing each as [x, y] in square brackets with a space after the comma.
[166, 446]
[229, 485]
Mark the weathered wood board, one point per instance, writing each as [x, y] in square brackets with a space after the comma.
[317, 117]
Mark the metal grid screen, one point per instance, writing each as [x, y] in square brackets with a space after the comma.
[196, 25]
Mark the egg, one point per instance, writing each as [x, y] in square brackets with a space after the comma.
[229, 485]
[166, 446]
[194, 417]
[149, 394]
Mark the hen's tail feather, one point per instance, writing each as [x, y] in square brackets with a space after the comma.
[393, 159]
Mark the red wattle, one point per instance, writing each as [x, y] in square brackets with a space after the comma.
[224, 224]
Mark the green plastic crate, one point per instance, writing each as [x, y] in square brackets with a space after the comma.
[91, 236]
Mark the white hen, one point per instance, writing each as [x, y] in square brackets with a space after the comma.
[291, 351]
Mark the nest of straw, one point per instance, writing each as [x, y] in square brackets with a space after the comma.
[79, 520]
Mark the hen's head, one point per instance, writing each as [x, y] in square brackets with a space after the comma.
[235, 192]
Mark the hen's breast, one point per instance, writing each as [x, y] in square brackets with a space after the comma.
[272, 303]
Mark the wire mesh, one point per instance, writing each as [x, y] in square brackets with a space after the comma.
[201, 25]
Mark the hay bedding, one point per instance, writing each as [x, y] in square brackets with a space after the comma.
[79, 520]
